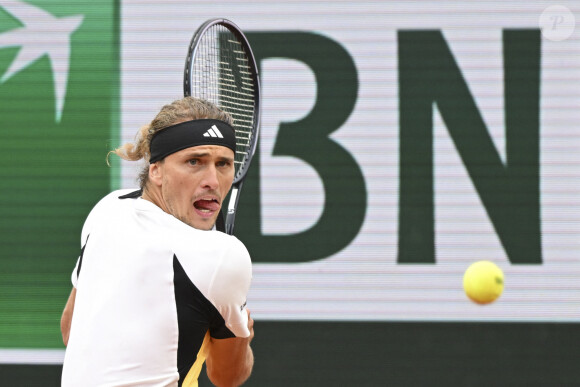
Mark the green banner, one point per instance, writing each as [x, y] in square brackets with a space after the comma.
[59, 95]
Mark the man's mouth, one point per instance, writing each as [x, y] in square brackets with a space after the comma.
[207, 206]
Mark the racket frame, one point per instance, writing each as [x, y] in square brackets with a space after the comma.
[243, 170]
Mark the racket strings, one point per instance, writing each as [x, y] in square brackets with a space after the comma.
[222, 74]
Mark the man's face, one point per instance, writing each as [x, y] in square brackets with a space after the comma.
[195, 181]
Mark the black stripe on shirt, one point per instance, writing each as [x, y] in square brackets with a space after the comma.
[195, 315]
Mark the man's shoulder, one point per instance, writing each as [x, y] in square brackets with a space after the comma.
[120, 194]
[110, 200]
[210, 243]
[230, 248]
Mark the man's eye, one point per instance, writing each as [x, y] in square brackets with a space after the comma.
[193, 161]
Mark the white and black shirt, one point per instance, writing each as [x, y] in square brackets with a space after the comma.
[150, 292]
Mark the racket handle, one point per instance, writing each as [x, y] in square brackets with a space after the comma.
[232, 207]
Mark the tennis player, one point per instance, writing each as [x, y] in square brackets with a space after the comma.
[157, 290]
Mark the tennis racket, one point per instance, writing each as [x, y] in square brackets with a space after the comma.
[220, 68]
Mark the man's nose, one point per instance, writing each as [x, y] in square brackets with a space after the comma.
[210, 179]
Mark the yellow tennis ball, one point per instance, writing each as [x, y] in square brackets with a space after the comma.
[483, 282]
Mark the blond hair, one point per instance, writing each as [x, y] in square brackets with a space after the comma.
[181, 110]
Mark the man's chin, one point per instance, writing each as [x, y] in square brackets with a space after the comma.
[203, 223]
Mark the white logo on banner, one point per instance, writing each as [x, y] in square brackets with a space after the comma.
[41, 34]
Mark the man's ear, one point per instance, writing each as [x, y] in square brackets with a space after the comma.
[156, 173]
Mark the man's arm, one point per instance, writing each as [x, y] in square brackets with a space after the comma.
[67, 314]
[229, 361]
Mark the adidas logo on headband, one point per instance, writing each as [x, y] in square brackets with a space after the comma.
[213, 132]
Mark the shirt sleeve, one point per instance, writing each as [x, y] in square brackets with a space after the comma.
[229, 288]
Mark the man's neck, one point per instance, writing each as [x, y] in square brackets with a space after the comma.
[154, 196]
